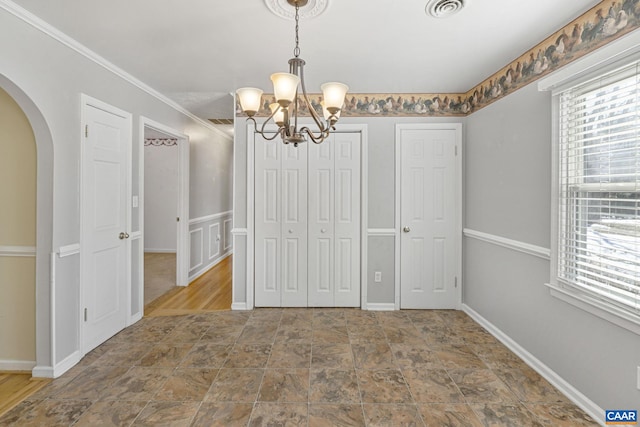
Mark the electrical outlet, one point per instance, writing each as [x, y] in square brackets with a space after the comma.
[377, 276]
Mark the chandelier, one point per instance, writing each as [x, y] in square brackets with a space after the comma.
[285, 110]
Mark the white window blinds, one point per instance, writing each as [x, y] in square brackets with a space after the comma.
[599, 177]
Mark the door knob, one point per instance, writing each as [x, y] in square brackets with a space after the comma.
[323, 230]
[123, 235]
[406, 229]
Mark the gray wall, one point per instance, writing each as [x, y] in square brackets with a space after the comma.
[161, 182]
[48, 78]
[381, 204]
[508, 194]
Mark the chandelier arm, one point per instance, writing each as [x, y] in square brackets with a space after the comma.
[264, 124]
[317, 139]
[314, 115]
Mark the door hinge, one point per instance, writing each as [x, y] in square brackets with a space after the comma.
[85, 314]
[455, 282]
[456, 150]
[86, 131]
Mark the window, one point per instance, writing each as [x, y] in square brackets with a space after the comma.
[599, 190]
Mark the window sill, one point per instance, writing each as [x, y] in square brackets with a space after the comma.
[597, 307]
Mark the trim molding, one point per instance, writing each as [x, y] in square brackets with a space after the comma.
[388, 306]
[381, 232]
[17, 365]
[68, 250]
[67, 363]
[17, 251]
[210, 217]
[239, 306]
[556, 380]
[527, 248]
[239, 231]
[42, 372]
[160, 251]
[81, 49]
[59, 369]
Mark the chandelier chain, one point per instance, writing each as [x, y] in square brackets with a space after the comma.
[296, 51]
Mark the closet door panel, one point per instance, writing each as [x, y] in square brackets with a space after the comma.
[268, 213]
[321, 224]
[294, 226]
[347, 220]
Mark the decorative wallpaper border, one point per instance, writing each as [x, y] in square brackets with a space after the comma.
[600, 25]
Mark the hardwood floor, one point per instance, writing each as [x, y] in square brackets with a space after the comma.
[15, 387]
[209, 292]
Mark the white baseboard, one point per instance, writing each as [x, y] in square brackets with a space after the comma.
[159, 251]
[135, 318]
[556, 380]
[17, 365]
[381, 306]
[69, 362]
[209, 267]
[42, 372]
[239, 306]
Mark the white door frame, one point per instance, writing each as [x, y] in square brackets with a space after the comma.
[457, 127]
[182, 247]
[87, 101]
[364, 183]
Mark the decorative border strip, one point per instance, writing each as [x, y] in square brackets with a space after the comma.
[209, 217]
[588, 32]
[17, 251]
[546, 372]
[160, 142]
[515, 245]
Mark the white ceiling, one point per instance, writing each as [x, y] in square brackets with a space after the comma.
[199, 51]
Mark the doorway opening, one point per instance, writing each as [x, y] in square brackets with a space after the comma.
[163, 212]
[18, 239]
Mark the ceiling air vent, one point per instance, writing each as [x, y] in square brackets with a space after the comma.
[444, 8]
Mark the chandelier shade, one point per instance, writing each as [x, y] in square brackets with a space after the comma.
[291, 97]
[250, 99]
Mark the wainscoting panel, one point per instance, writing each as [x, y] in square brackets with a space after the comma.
[214, 241]
[208, 244]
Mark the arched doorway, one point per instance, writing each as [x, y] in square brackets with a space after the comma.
[17, 238]
[44, 353]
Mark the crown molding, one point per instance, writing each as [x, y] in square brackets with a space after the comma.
[71, 43]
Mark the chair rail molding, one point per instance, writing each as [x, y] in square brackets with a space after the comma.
[527, 248]
[17, 251]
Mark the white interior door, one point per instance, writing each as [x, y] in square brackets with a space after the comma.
[105, 273]
[334, 222]
[428, 219]
[307, 223]
[268, 208]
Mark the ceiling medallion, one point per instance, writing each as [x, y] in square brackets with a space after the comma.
[310, 9]
[444, 8]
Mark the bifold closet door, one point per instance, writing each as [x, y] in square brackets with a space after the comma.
[334, 222]
[280, 224]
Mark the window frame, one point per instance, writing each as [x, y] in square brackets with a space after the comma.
[616, 55]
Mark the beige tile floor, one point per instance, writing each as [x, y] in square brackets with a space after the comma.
[301, 367]
[159, 274]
